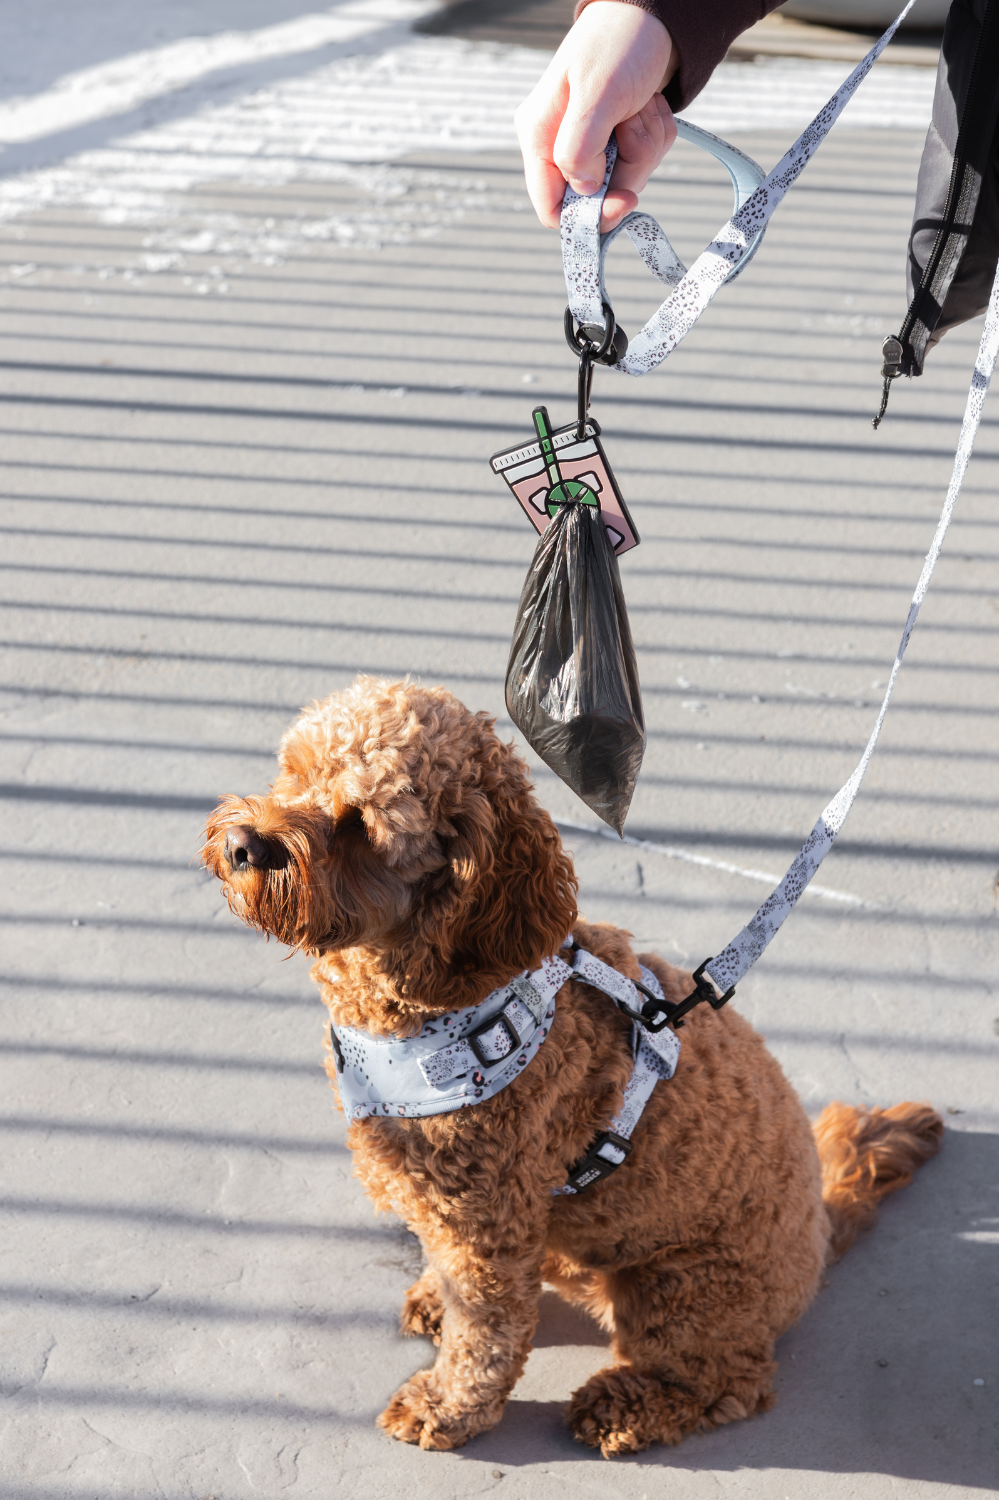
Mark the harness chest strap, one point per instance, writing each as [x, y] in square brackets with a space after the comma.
[468, 1056]
[655, 1053]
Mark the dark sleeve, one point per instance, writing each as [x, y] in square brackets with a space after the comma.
[959, 171]
[702, 32]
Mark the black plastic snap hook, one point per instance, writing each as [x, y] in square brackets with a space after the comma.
[656, 1014]
[704, 989]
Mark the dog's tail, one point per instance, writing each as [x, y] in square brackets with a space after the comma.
[867, 1154]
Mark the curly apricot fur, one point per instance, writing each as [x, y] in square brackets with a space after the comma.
[422, 873]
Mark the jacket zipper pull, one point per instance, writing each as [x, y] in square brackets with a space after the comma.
[891, 369]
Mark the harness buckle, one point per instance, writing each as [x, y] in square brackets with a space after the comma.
[513, 1036]
[602, 1157]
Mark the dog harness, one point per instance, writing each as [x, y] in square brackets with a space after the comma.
[469, 1055]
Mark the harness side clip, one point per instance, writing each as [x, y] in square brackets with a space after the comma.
[603, 1156]
[336, 1049]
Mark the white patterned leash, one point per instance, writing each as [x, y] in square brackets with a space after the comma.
[584, 248]
[738, 958]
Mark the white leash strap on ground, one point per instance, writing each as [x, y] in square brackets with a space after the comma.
[738, 958]
[584, 248]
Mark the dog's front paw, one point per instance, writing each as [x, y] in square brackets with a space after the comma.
[423, 1309]
[420, 1413]
[620, 1410]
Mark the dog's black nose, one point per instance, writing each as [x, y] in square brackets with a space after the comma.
[243, 846]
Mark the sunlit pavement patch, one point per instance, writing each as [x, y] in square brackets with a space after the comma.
[211, 116]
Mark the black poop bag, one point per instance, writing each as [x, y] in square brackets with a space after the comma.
[572, 680]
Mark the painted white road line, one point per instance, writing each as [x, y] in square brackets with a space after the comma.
[672, 851]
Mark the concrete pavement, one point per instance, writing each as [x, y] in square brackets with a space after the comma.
[236, 478]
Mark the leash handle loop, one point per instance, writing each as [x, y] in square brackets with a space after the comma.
[756, 197]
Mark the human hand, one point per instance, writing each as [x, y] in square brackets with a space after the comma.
[606, 75]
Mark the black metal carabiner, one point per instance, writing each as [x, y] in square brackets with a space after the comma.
[607, 349]
[584, 385]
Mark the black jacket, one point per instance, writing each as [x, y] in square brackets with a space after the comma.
[954, 244]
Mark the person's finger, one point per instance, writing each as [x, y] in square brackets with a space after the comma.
[612, 60]
[546, 187]
[617, 203]
[582, 140]
[616, 57]
[642, 142]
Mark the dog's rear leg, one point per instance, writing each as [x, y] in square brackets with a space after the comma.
[694, 1349]
[867, 1154]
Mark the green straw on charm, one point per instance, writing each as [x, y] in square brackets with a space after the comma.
[561, 491]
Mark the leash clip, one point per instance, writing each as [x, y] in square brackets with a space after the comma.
[705, 989]
[655, 1015]
[607, 344]
[594, 345]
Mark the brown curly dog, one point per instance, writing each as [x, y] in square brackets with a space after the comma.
[402, 846]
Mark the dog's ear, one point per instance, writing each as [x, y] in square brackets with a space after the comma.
[507, 896]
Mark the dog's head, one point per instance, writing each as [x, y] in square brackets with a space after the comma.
[400, 823]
